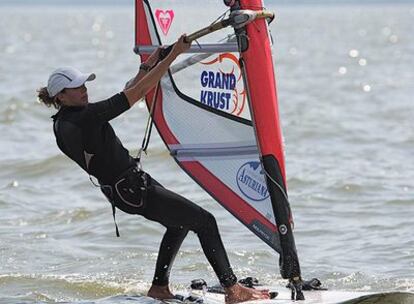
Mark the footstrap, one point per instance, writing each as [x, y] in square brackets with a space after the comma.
[313, 284]
[188, 299]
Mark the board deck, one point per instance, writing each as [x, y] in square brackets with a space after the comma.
[327, 297]
[312, 297]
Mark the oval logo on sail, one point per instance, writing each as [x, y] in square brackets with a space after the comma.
[251, 181]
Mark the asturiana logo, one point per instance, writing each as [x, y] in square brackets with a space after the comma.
[251, 181]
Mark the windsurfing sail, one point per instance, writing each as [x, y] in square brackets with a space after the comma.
[216, 111]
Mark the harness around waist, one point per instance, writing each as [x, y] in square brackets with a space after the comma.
[129, 188]
[129, 192]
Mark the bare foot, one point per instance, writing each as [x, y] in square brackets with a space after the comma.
[160, 292]
[238, 293]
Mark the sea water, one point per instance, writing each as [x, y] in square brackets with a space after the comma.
[345, 76]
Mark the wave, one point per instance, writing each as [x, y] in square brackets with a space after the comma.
[68, 288]
[32, 167]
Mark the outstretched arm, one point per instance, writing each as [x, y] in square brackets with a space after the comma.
[144, 68]
[143, 85]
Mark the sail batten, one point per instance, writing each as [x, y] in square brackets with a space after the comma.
[208, 48]
[215, 151]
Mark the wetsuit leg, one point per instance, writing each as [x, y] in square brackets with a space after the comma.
[170, 244]
[180, 215]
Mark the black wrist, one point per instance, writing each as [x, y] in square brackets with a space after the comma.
[145, 67]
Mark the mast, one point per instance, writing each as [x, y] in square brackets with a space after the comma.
[256, 60]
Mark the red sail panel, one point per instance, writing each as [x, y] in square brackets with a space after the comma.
[262, 87]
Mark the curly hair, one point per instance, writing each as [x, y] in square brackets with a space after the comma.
[43, 96]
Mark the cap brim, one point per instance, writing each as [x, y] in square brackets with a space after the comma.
[79, 81]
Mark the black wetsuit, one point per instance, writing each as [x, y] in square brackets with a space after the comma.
[85, 135]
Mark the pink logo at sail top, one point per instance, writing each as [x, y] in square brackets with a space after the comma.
[164, 18]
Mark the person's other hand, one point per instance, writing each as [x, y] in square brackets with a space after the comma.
[154, 57]
[181, 45]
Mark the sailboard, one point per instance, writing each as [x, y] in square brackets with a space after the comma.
[314, 297]
[329, 297]
[217, 112]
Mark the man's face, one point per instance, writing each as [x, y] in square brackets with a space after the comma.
[74, 97]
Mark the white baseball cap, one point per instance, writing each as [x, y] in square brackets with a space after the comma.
[66, 77]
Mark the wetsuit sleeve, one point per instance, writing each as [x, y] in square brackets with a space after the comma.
[110, 108]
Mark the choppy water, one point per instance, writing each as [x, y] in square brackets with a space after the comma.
[346, 86]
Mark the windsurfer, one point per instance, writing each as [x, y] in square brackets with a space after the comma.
[84, 134]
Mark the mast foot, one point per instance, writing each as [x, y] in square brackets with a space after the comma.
[295, 285]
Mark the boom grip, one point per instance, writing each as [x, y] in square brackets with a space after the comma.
[164, 52]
